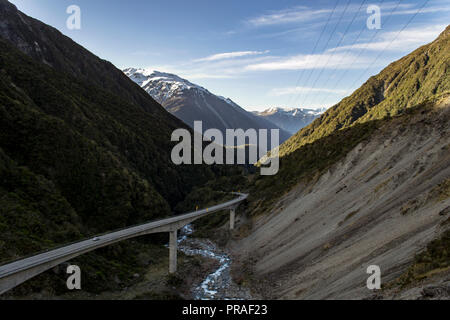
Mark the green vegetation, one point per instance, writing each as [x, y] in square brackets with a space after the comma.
[212, 193]
[416, 82]
[306, 163]
[33, 213]
[435, 259]
[310, 160]
[46, 130]
[112, 268]
[401, 85]
[83, 150]
[83, 155]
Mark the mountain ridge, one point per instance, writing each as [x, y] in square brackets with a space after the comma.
[402, 84]
[367, 183]
[49, 46]
[85, 147]
[381, 203]
[290, 119]
[190, 102]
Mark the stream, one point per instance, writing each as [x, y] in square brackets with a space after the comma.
[218, 285]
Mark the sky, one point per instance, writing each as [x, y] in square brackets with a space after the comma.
[259, 53]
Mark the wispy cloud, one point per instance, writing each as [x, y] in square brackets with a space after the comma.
[230, 55]
[295, 33]
[299, 15]
[432, 9]
[219, 66]
[296, 14]
[296, 90]
[305, 14]
[408, 39]
[326, 60]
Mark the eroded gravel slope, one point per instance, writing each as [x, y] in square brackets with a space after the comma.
[380, 206]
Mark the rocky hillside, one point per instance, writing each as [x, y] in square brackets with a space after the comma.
[190, 102]
[365, 184]
[380, 205]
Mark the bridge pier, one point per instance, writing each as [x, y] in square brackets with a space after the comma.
[173, 244]
[232, 218]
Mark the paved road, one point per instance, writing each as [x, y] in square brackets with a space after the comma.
[34, 265]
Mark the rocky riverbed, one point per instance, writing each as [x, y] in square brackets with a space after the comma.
[219, 284]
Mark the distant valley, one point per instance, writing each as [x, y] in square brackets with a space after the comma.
[290, 119]
[86, 148]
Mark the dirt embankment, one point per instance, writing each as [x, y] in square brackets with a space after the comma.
[379, 206]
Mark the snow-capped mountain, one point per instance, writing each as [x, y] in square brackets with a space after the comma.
[161, 86]
[292, 119]
[190, 102]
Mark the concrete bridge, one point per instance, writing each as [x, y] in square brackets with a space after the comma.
[17, 272]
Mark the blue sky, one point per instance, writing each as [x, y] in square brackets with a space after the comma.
[260, 53]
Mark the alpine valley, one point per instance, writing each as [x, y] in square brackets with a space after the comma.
[85, 149]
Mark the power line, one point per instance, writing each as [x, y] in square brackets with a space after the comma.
[362, 50]
[330, 56]
[302, 72]
[328, 41]
[347, 51]
[389, 44]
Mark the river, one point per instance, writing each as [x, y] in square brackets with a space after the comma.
[219, 284]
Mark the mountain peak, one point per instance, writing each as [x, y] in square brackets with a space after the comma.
[290, 119]
[191, 102]
[291, 111]
[161, 85]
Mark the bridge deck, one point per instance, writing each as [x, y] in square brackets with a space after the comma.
[78, 248]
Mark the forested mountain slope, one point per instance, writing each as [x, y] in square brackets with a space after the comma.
[83, 150]
[403, 84]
